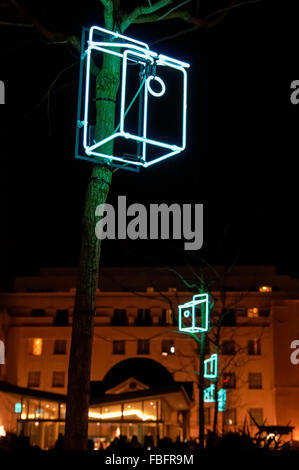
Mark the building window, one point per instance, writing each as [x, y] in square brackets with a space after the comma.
[60, 346]
[254, 347]
[229, 380]
[143, 317]
[256, 415]
[230, 417]
[166, 317]
[35, 346]
[143, 346]
[265, 289]
[207, 413]
[61, 318]
[167, 347]
[228, 348]
[38, 312]
[33, 379]
[58, 379]
[119, 317]
[118, 347]
[255, 380]
[228, 317]
[264, 313]
[253, 312]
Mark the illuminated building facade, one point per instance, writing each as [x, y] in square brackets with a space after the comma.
[144, 371]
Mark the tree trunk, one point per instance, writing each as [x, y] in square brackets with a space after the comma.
[201, 395]
[78, 393]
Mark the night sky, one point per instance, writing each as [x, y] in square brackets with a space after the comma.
[241, 158]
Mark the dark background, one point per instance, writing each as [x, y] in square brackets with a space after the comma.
[241, 158]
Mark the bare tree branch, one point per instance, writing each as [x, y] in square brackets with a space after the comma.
[143, 10]
[50, 36]
[230, 7]
[182, 14]
[176, 7]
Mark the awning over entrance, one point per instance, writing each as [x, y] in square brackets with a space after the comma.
[144, 411]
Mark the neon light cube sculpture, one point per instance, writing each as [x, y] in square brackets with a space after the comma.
[222, 399]
[149, 82]
[211, 367]
[194, 315]
[18, 407]
[208, 394]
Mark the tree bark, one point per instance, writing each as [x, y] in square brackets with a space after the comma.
[78, 394]
[201, 395]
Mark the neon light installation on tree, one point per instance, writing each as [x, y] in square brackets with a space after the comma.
[18, 407]
[222, 399]
[211, 367]
[194, 315]
[208, 394]
[209, 397]
[151, 67]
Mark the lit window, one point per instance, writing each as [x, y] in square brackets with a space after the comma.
[254, 347]
[255, 380]
[265, 289]
[167, 317]
[60, 346]
[253, 312]
[33, 379]
[36, 346]
[167, 347]
[58, 379]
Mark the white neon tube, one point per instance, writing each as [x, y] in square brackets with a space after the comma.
[115, 35]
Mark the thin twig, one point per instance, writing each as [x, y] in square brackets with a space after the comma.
[141, 10]
[174, 8]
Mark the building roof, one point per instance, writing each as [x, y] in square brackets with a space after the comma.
[29, 392]
[98, 396]
[132, 279]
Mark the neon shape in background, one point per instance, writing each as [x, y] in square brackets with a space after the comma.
[138, 52]
[18, 407]
[208, 394]
[188, 311]
[211, 367]
[222, 399]
[209, 397]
